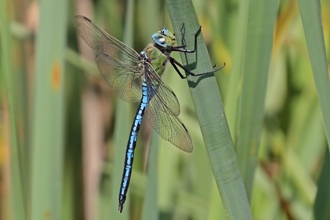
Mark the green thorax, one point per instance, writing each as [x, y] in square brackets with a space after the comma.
[156, 58]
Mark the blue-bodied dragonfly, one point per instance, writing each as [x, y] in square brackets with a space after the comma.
[135, 77]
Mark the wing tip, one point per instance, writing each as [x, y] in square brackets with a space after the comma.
[78, 17]
[188, 149]
[186, 146]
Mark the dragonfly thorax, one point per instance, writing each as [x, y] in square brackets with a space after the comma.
[164, 38]
[155, 57]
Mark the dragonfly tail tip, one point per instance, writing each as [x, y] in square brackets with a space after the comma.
[120, 208]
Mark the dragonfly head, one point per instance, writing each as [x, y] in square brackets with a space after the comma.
[164, 38]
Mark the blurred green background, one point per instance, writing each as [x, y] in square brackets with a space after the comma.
[62, 128]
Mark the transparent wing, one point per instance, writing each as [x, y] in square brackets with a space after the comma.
[162, 111]
[159, 93]
[114, 58]
[124, 79]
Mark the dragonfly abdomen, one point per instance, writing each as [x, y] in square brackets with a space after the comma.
[131, 147]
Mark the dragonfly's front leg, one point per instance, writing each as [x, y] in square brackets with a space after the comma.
[182, 49]
[176, 64]
[183, 46]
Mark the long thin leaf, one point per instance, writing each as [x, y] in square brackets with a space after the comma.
[311, 17]
[234, 82]
[209, 109]
[18, 196]
[256, 63]
[321, 212]
[48, 117]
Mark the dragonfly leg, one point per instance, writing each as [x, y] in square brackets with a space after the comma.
[183, 46]
[176, 64]
[183, 43]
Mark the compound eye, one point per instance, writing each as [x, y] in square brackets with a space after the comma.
[164, 31]
[161, 40]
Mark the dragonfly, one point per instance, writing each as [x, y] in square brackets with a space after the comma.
[137, 77]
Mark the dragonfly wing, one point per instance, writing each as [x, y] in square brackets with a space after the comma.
[113, 58]
[124, 79]
[159, 93]
[101, 42]
[162, 111]
[169, 127]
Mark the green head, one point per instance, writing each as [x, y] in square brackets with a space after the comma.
[164, 38]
